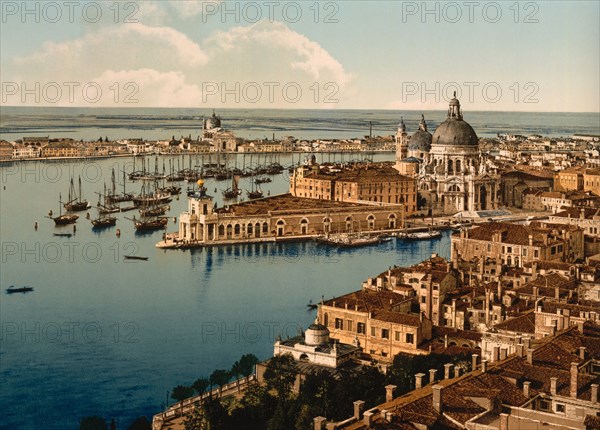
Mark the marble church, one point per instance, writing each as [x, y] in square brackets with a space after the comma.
[452, 175]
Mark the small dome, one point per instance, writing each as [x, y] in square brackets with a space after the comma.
[420, 141]
[316, 334]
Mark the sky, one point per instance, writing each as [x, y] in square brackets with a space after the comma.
[541, 56]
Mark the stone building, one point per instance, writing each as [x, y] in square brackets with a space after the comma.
[376, 182]
[280, 217]
[454, 176]
[516, 244]
[513, 185]
[591, 181]
[569, 179]
[379, 321]
[6, 150]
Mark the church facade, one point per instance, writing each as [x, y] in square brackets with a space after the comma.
[453, 176]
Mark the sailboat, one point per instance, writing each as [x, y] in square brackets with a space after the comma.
[106, 206]
[103, 209]
[76, 202]
[255, 193]
[63, 219]
[234, 191]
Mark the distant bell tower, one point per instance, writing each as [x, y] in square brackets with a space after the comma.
[401, 142]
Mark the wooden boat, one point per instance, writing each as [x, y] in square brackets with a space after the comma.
[103, 222]
[76, 202]
[257, 194]
[63, 234]
[12, 289]
[234, 191]
[135, 257]
[348, 240]
[422, 235]
[262, 180]
[63, 219]
[156, 223]
[154, 211]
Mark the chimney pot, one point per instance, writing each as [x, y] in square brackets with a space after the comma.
[573, 388]
[474, 359]
[457, 370]
[553, 384]
[419, 380]
[520, 350]
[437, 398]
[582, 352]
[447, 369]
[432, 373]
[389, 392]
[319, 423]
[358, 408]
[594, 398]
[526, 388]
[530, 356]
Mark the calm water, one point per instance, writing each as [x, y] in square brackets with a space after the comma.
[90, 124]
[100, 336]
[106, 337]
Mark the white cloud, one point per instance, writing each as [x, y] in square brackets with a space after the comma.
[164, 61]
[192, 8]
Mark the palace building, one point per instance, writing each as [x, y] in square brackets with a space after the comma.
[279, 217]
[453, 175]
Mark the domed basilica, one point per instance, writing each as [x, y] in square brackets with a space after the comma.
[453, 176]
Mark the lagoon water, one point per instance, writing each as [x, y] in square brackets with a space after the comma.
[104, 336]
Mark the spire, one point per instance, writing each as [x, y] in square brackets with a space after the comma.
[423, 124]
[401, 126]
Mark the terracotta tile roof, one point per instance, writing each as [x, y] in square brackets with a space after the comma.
[521, 324]
[397, 318]
[588, 213]
[515, 234]
[367, 300]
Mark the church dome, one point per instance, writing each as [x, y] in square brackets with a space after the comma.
[454, 131]
[421, 140]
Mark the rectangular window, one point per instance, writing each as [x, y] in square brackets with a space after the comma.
[360, 328]
[385, 333]
[373, 331]
[397, 336]
[349, 325]
[339, 323]
[536, 253]
[410, 338]
[560, 408]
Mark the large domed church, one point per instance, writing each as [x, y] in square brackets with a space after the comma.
[453, 176]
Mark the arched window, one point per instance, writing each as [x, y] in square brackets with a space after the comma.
[265, 227]
[458, 170]
[221, 230]
[326, 319]
[229, 230]
[249, 229]
[304, 226]
[371, 222]
[236, 230]
[392, 221]
[450, 171]
[349, 223]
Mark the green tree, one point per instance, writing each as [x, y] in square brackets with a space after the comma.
[200, 385]
[220, 377]
[280, 375]
[140, 423]
[92, 423]
[182, 392]
[247, 363]
[211, 415]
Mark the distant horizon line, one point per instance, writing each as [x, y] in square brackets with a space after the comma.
[286, 109]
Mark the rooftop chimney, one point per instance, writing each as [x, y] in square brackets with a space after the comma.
[319, 423]
[389, 392]
[419, 380]
[553, 382]
[432, 373]
[530, 356]
[573, 390]
[447, 368]
[526, 388]
[367, 418]
[594, 398]
[358, 408]
[457, 370]
[495, 353]
[484, 366]
[474, 359]
[520, 350]
[503, 421]
[437, 397]
[582, 352]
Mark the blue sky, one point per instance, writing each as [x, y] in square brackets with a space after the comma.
[499, 56]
